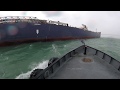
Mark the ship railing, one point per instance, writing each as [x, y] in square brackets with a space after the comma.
[13, 19]
[21, 19]
[57, 23]
[17, 17]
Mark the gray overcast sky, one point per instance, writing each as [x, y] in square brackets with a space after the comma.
[106, 22]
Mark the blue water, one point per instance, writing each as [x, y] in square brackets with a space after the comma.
[19, 61]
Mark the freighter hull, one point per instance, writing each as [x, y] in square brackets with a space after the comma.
[20, 32]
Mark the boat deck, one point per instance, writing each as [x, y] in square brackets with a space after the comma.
[93, 68]
[83, 62]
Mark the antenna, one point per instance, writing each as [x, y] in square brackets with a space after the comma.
[85, 47]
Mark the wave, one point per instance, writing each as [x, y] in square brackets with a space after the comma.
[41, 65]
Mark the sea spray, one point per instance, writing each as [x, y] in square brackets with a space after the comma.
[41, 65]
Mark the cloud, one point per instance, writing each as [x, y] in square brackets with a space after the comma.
[106, 22]
[9, 13]
[52, 13]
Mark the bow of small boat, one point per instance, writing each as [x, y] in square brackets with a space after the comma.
[82, 63]
[86, 67]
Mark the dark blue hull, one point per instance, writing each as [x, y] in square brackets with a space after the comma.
[28, 32]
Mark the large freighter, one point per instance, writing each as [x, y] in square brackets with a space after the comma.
[15, 30]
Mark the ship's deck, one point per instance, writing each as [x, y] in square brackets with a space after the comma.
[83, 62]
[93, 68]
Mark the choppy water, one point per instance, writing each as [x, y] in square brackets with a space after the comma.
[19, 61]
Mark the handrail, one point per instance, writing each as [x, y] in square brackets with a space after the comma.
[8, 19]
[17, 17]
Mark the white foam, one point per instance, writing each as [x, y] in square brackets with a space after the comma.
[65, 46]
[7, 58]
[41, 65]
[54, 48]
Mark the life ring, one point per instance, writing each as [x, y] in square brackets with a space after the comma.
[34, 73]
[52, 60]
